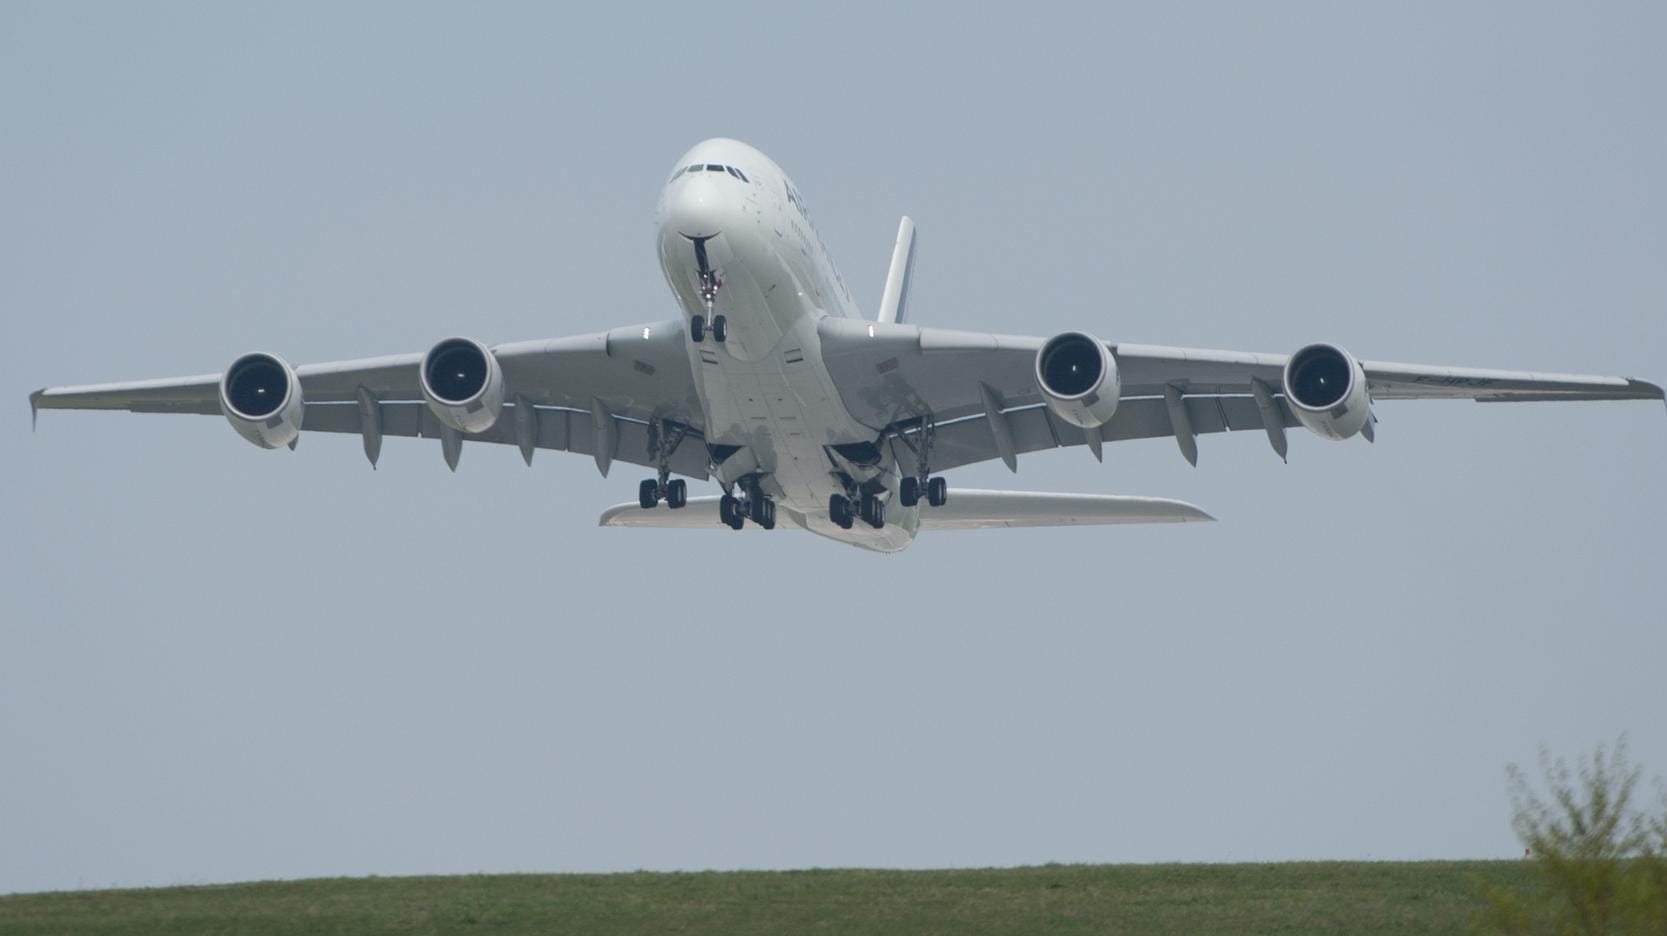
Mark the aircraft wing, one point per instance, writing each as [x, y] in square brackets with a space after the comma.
[980, 390]
[590, 394]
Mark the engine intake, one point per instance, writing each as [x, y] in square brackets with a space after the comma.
[261, 397]
[1326, 388]
[463, 384]
[1078, 378]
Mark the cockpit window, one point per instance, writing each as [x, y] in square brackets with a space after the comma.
[712, 167]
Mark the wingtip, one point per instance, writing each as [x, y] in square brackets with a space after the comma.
[35, 408]
[1650, 389]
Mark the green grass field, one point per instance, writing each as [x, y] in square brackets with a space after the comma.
[1331, 897]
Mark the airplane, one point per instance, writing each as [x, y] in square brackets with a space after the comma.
[772, 383]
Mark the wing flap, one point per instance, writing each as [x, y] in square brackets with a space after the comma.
[1035, 428]
[557, 430]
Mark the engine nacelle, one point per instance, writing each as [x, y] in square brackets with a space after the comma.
[261, 398]
[463, 384]
[1326, 388]
[1078, 378]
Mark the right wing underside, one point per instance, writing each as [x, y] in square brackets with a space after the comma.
[1035, 428]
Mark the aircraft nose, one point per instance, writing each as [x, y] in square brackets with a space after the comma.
[695, 206]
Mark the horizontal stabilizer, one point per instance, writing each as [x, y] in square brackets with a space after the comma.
[966, 510]
[972, 510]
[700, 513]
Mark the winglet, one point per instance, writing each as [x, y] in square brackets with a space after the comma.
[35, 407]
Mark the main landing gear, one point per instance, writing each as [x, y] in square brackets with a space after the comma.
[936, 490]
[674, 492]
[663, 438]
[754, 505]
[845, 510]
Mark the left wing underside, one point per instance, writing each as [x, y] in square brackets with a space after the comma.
[616, 395]
[552, 429]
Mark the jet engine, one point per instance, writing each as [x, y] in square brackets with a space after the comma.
[1326, 388]
[261, 398]
[1078, 378]
[463, 384]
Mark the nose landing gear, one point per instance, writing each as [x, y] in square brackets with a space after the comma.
[720, 327]
[710, 282]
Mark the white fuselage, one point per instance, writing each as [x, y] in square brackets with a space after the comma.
[765, 387]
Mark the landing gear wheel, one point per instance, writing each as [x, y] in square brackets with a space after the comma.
[720, 328]
[729, 513]
[697, 329]
[874, 512]
[648, 493]
[839, 511]
[937, 492]
[908, 493]
[677, 493]
[769, 521]
[760, 509]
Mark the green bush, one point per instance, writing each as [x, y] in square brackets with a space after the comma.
[1602, 861]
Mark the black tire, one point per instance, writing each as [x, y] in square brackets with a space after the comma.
[677, 493]
[839, 511]
[937, 492]
[720, 328]
[736, 521]
[908, 493]
[726, 510]
[874, 512]
[769, 515]
[697, 329]
[648, 493]
[760, 508]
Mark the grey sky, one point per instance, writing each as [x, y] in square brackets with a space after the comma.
[218, 663]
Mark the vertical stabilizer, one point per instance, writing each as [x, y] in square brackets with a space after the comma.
[896, 297]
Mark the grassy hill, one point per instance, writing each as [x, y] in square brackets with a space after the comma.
[1331, 897]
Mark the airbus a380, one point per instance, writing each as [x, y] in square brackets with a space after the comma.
[772, 383]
